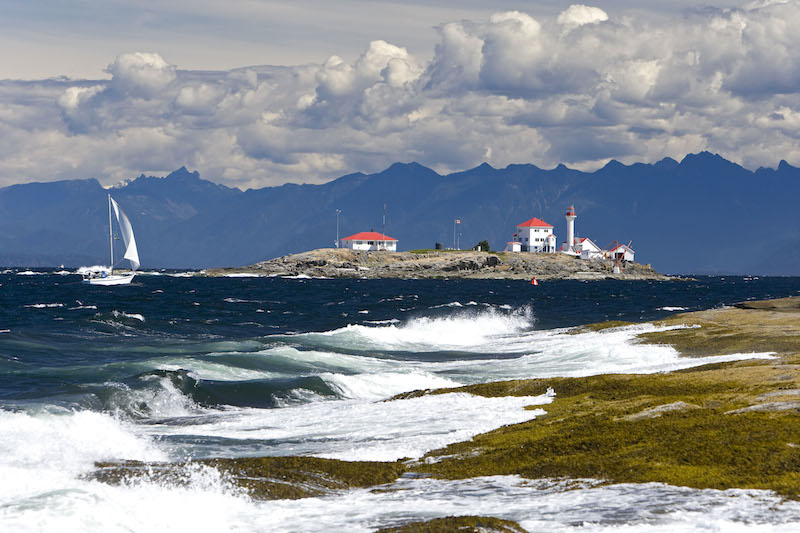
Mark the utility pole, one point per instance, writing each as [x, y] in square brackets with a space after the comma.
[338, 212]
[383, 229]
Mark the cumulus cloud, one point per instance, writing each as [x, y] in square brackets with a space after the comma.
[579, 14]
[141, 74]
[579, 88]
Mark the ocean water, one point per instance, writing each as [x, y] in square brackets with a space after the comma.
[176, 367]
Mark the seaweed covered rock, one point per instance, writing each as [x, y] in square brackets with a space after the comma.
[459, 524]
[265, 478]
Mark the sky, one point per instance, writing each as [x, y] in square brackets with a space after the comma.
[255, 93]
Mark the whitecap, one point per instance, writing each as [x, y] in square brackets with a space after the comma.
[135, 316]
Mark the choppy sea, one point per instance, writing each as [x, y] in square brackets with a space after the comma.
[175, 367]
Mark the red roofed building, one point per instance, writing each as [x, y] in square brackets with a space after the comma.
[370, 241]
[534, 235]
[587, 249]
[621, 252]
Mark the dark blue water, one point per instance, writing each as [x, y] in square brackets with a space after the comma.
[59, 335]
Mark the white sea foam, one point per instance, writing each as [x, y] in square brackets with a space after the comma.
[164, 401]
[88, 269]
[538, 505]
[29, 273]
[44, 450]
[45, 306]
[378, 386]
[134, 316]
[206, 370]
[242, 275]
[364, 430]
[208, 504]
[525, 353]
[671, 308]
[458, 331]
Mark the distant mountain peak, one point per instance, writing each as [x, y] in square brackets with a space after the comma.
[613, 164]
[667, 162]
[183, 173]
[412, 168]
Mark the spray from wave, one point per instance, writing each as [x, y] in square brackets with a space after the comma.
[454, 331]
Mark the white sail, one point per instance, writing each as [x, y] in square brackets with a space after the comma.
[131, 253]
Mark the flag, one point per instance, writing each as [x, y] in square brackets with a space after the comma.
[458, 221]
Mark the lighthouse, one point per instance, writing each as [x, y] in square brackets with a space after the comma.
[570, 216]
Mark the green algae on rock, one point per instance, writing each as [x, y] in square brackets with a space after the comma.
[266, 478]
[460, 524]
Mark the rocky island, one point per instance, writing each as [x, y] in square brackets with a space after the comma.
[440, 264]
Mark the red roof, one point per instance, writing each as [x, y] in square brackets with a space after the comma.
[534, 223]
[617, 247]
[369, 236]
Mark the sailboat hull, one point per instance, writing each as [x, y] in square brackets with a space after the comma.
[111, 280]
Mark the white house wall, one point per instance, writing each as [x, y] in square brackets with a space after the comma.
[365, 246]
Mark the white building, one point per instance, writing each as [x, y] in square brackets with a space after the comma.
[370, 241]
[533, 235]
[621, 252]
[587, 248]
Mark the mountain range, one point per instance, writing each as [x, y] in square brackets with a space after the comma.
[702, 215]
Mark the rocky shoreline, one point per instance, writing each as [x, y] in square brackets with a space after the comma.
[439, 264]
[724, 425]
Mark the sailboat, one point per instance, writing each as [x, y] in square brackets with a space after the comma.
[131, 253]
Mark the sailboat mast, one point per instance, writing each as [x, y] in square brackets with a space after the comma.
[110, 236]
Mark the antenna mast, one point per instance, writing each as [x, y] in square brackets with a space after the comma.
[110, 235]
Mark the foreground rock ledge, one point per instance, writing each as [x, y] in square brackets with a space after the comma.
[727, 425]
[342, 263]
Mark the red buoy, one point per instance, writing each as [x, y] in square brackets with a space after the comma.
[534, 282]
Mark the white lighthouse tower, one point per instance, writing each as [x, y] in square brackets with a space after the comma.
[570, 216]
